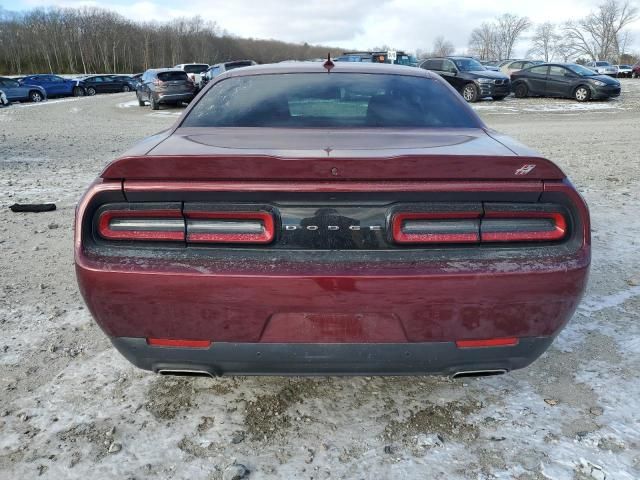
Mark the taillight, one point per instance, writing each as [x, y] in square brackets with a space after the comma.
[436, 227]
[522, 226]
[150, 225]
[230, 227]
[491, 223]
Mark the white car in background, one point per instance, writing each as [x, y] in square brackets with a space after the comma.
[624, 70]
[603, 68]
[194, 70]
[512, 66]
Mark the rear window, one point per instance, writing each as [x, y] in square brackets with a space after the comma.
[195, 68]
[307, 100]
[172, 76]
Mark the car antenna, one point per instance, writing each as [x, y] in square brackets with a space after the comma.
[328, 64]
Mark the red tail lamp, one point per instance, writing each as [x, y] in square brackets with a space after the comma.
[523, 226]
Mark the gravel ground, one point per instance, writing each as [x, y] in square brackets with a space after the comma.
[71, 407]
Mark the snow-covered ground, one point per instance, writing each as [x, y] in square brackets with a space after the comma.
[72, 407]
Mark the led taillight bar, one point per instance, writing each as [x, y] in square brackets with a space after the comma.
[256, 227]
[522, 226]
[436, 227]
[149, 225]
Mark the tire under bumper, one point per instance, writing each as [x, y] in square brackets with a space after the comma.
[227, 358]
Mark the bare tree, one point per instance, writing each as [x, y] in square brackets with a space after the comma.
[90, 40]
[483, 42]
[545, 41]
[442, 47]
[600, 35]
[509, 29]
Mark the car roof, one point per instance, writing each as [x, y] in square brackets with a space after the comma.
[451, 57]
[338, 67]
[162, 70]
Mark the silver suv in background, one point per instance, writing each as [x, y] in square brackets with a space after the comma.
[220, 68]
[193, 70]
[603, 68]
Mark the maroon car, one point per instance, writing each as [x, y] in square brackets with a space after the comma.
[331, 219]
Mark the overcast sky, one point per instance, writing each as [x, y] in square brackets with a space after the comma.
[354, 24]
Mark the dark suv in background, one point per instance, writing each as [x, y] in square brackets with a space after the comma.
[470, 77]
[168, 86]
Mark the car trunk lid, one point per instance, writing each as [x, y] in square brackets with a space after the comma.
[319, 154]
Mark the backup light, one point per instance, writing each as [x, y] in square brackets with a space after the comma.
[436, 227]
[230, 227]
[150, 225]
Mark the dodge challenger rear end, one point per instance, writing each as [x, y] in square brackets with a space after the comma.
[331, 219]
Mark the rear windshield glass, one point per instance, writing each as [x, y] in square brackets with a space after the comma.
[172, 76]
[329, 100]
[195, 68]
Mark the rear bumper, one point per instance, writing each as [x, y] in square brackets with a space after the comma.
[174, 97]
[207, 302]
[331, 359]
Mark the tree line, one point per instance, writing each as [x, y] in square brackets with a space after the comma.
[92, 40]
[600, 35]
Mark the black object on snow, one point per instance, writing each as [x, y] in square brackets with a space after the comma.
[33, 207]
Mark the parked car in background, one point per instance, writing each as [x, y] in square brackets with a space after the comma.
[246, 240]
[167, 86]
[402, 58]
[354, 57]
[4, 101]
[490, 65]
[624, 71]
[93, 84]
[193, 70]
[565, 80]
[469, 77]
[54, 85]
[21, 92]
[131, 81]
[603, 68]
[635, 70]
[219, 68]
[513, 66]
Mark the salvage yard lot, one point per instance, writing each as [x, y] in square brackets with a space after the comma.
[72, 407]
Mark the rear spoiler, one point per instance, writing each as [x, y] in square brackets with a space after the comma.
[267, 167]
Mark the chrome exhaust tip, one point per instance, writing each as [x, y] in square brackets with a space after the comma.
[478, 373]
[185, 373]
